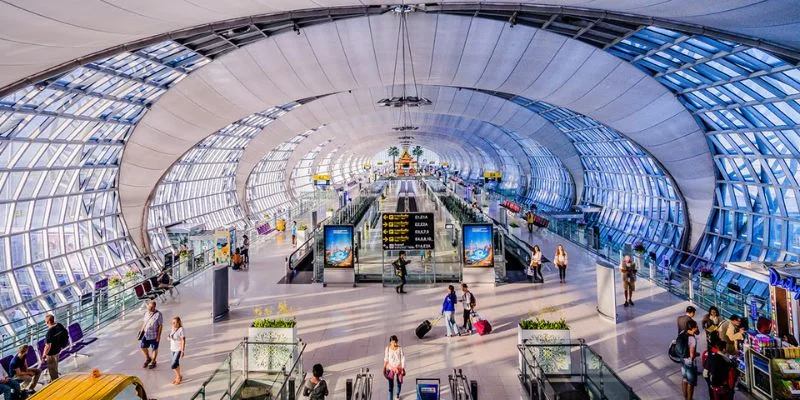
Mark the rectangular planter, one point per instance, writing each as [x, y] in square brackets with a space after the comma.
[552, 360]
[301, 236]
[270, 358]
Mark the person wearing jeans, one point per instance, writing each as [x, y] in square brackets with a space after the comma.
[468, 301]
[394, 366]
[448, 310]
[561, 261]
[7, 385]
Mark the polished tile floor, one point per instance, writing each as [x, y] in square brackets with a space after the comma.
[347, 328]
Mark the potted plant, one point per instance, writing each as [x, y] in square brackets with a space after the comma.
[542, 331]
[638, 255]
[301, 233]
[329, 212]
[706, 272]
[264, 352]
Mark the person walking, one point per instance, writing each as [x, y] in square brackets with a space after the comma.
[394, 366]
[628, 270]
[684, 319]
[401, 271]
[448, 310]
[529, 220]
[688, 368]
[294, 233]
[177, 345]
[150, 334]
[561, 262]
[246, 249]
[19, 369]
[535, 268]
[316, 388]
[468, 302]
[56, 339]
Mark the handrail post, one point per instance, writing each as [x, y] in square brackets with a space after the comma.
[691, 288]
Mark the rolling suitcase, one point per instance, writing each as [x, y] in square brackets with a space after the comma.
[481, 325]
[425, 327]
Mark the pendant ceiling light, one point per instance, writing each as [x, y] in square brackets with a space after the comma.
[402, 97]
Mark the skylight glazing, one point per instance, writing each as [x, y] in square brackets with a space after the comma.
[747, 101]
[200, 188]
[266, 191]
[62, 141]
[639, 200]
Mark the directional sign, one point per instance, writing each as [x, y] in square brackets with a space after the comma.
[407, 231]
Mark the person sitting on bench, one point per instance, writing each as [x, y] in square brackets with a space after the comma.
[165, 281]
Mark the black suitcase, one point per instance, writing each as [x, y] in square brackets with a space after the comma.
[423, 328]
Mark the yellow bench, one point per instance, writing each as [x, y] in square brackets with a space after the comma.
[92, 387]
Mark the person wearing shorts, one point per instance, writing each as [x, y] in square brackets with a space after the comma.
[177, 345]
[628, 270]
[152, 324]
[688, 369]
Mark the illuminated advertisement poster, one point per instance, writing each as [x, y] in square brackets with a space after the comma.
[338, 246]
[478, 245]
[222, 249]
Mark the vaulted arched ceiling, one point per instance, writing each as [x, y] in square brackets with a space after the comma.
[38, 35]
[449, 51]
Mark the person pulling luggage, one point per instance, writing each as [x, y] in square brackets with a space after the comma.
[400, 270]
[448, 311]
[468, 301]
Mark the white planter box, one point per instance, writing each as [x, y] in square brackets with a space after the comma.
[270, 358]
[516, 231]
[328, 214]
[552, 360]
[301, 236]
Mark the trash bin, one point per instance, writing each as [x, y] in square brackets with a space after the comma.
[281, 225]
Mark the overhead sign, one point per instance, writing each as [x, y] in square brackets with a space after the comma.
[492, 174]
[407, 231]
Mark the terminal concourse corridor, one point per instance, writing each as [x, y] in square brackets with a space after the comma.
[143, 137]
[347, 328]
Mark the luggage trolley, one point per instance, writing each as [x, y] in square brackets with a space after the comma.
[428, 389]
[462, 388]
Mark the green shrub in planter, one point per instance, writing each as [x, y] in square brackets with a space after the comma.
[302, 227]
[513, 224]
[541, 324]
[274, 323]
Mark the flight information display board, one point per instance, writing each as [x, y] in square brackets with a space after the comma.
[407, 231]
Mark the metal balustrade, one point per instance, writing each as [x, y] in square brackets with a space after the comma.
[280, 381]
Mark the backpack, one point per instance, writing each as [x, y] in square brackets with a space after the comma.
[682, 345]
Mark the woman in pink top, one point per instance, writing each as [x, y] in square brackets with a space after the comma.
[394, 366]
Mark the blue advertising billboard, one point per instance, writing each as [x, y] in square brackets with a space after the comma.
[478, 245]
[338, 241]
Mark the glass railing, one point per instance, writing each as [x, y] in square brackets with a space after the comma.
[679, 281]
[268, 370]
[569, 370]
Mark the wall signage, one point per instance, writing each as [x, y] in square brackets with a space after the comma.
[787, 283]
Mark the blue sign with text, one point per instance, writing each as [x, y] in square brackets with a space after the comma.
[787, 283]
[427, 391]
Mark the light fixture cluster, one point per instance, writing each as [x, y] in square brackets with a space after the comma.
[408, 96]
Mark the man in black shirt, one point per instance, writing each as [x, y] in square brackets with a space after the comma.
[400, 270]
[683, 319]
[57, 339]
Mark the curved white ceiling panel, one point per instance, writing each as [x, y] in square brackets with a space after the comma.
[40, 35]
[221, 92]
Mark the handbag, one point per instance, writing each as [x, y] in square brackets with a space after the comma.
[140, 335]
